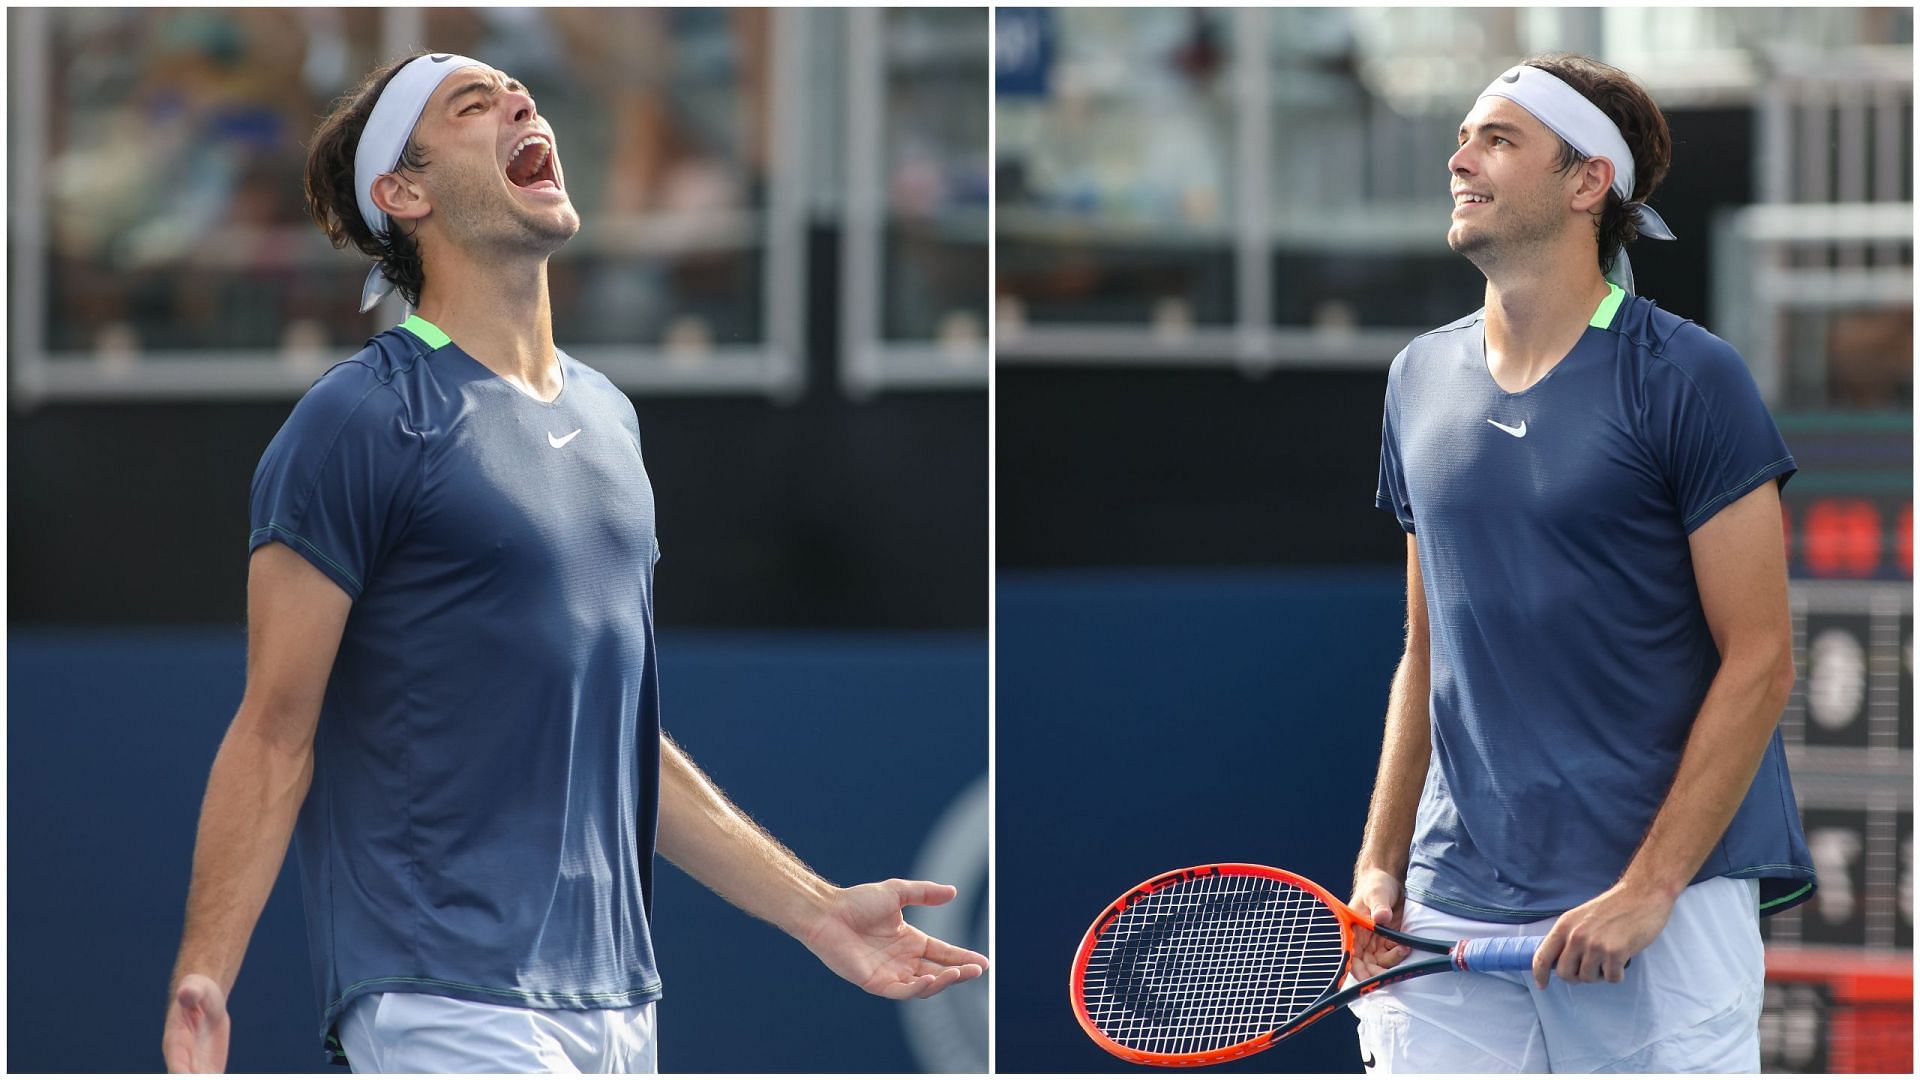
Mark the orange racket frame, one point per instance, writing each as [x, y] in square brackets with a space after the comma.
[1455, 959]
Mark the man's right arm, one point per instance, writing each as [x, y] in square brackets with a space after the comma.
[295, 617]
[1380, 872]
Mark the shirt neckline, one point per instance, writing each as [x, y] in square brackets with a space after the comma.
[436, 339]
[1602, 319]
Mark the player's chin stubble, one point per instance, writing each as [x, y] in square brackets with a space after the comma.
[1477, 244]
[1513, 229]
[485, 217]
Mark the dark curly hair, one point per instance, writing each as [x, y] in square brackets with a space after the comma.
[1641, 123]
[331, 200]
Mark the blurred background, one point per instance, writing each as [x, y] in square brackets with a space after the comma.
[1215, 230]
[783, 259]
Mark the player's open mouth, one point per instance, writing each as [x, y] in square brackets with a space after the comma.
[532, 165]
[1469, 198]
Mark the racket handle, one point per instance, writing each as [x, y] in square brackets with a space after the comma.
[1497, 954]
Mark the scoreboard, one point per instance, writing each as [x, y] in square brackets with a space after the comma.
[1840, 967]
[1848, 729]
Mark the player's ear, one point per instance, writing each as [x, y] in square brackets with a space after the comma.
[402, 199]
[1594, 178]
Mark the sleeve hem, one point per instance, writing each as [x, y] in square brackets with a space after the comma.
[1779, 470]
[307, 550]
[1381, 502]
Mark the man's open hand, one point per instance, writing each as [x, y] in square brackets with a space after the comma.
[862, 938]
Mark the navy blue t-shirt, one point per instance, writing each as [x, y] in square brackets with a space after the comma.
[486, 768]
[1570, 653]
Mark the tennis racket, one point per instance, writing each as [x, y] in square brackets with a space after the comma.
[1212, 963]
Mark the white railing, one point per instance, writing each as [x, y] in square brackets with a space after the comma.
[1833, 228]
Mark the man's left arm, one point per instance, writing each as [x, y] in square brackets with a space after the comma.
[1739, 565]
[857, 932]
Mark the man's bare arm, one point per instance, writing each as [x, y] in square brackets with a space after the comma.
[705, 834]
[856, 932]
[1739, 565]
[1381, 871]
[295, 616]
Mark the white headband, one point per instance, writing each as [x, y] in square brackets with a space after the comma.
[385, 137]
[1567, 113]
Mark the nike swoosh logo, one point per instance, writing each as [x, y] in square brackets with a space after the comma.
[1511, 76]
[1368, 1061]
[441, 58]
[560, 442]
[1517, 432]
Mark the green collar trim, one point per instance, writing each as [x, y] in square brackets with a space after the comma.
[1602, 315]
[437, 338]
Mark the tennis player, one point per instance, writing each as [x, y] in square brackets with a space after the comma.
[1580, 737]
[451, 699]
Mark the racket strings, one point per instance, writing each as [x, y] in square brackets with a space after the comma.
[1211, 962]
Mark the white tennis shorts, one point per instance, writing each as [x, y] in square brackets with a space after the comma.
[426, 1033]
[1689, 1003]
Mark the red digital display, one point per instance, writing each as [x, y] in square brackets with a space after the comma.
[1849, 536]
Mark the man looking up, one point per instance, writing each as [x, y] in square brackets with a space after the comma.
[1580, 737]
[452, 702]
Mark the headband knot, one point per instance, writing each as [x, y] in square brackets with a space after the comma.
[1651, 224]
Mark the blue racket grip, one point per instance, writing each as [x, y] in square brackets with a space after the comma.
[1497, 954]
